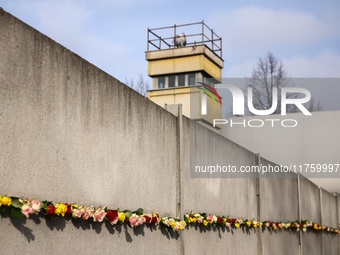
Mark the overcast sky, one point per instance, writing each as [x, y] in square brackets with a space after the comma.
[111, 34]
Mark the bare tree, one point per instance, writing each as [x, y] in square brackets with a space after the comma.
[141, 85]
[270, 73]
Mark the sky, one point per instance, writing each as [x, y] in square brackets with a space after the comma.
[112, 34]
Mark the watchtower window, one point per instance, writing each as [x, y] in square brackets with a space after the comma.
[161, 82]
[181, 80]
[172, 81]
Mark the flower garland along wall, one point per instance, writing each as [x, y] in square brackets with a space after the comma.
[17, 207]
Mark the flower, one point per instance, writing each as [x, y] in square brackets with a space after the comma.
[148, 217]
[78, 211]
[205, 223]
[112, 215]
[36, 206]
[136, 220]
[26, 210]
[214, 218]
[210, 219]
[99, 214]
[5, 201]
[50, 210]
[60, 209]
[88, 212]
[69, 209]
[155, 219]
[220, 220]
[237, 225]
[200, 220]
[249, 223]
[121, 216]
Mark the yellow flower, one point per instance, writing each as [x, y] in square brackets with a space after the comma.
[249, 223]
[224, 220]
[5, 201]
[181, 227]
[237, 225]
[75, 206]
[255, 225]
[275, 227]
[60, 209]
[0, 201]
[121, 216]
[261, 224]
[205, 223]
[194, 219]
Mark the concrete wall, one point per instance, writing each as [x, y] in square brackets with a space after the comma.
[72, 133]
[302, 144]
[279, 202]
[310, 209]
[221, 196]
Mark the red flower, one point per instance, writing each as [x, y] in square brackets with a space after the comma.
[271, 224]
[69, 209]
[154, 220]
[233, 220]
[220, 220]
[301, 225]
[50, 209]
[147, 219]
[112, 214]
[229, 220]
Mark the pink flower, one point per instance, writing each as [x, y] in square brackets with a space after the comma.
[35, 206]
[200, 220]
[136, 220]
[133, 221]
[26, 210]
[210, 218]
[88, 213]
[227, 224]
[99, 214]
[76, 213]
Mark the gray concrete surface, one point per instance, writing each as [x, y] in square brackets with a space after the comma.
[310, 201]
[70, 132]
[329, 209]
[279, 202]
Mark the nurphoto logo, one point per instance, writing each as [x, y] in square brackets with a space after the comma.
[239, 104]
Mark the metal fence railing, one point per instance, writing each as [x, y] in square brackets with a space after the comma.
[164, 37]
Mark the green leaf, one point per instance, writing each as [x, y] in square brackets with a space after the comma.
[128, 214]
[139, 211]
[16, 203]
[15, 212]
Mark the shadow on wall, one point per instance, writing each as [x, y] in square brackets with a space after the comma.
[59, 224]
